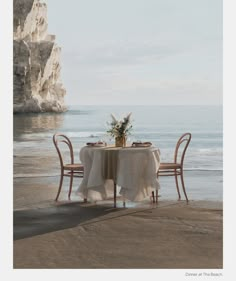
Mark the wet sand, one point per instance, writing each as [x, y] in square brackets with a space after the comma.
[75, 235]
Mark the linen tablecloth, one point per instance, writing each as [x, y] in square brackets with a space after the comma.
[134, 170]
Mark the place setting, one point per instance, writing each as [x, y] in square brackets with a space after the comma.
[96, 144]
[141, 144]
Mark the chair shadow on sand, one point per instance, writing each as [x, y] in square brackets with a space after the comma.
[28, 223]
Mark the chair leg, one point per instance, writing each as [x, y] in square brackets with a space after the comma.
[152, 197]
[60, 185]
[157, 190]
[177, 186]
[114, 195]
[156, 195]
[71, 183]
[124, 203]
[182, 180]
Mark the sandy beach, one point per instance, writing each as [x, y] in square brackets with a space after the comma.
[75, 235]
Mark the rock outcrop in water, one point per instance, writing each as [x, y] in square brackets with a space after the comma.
[36, 58]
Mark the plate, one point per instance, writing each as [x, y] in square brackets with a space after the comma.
[141, 144]
[96, 144]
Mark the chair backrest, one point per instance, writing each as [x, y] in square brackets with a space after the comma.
[60, 138]
[181, 148]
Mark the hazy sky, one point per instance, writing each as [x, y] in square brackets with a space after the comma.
[139, 51]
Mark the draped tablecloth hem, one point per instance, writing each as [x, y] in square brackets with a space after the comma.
[135, 196]
[98, 192]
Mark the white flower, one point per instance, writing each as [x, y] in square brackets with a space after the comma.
[128, 116]
[114, 120]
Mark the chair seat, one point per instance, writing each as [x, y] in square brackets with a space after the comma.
[75, 166]
[169, 166]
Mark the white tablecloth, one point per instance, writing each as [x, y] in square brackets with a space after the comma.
[133, 169]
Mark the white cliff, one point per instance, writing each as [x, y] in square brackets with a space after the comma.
[36, 61]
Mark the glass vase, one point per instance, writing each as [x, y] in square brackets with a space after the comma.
[120, 141]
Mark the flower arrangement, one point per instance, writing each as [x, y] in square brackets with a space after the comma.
[120, 128]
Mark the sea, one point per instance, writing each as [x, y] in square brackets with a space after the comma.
[35, 157]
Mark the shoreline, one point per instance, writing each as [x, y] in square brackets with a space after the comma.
[194, 181]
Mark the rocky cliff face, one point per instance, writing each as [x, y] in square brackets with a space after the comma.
[36, 61]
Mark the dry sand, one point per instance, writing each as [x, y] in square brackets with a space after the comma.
[170, 235]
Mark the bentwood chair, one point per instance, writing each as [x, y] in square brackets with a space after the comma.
[175, 168]
[67, 170]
